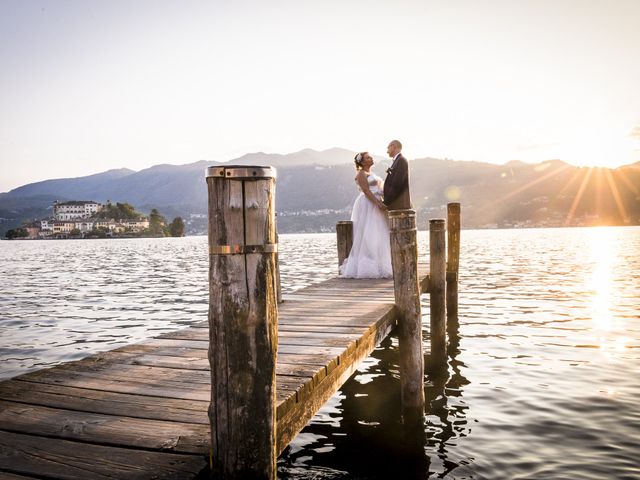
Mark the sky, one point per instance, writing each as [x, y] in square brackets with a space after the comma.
[87, 86]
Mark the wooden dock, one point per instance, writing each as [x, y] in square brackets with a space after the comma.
[235, 390]
[140, 412]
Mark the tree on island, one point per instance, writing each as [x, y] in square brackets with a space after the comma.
[156, 223]
[16, 233]
[158, 226]
[176, 227]
[119, 211]
[100, 232]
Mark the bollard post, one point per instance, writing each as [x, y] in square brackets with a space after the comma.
[404, 259]
[344, 233]
[243, 319]
[453, 260]
[437, 272]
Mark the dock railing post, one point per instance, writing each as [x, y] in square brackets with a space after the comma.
[453, 260]
[344, 233]
[243, 317]
[404, 259]
[437, 273]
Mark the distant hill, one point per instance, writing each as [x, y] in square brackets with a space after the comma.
[316, 189]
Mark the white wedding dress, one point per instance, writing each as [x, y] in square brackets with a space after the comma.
[370, 255]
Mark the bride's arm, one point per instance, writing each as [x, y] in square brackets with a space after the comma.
[361, 178]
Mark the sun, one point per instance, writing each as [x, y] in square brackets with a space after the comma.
[600, 149]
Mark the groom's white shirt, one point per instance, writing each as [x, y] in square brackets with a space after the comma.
[395, 158]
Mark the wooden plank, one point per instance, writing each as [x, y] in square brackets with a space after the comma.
[138, 386]
[287, 337]
[293, 327]
[348, 289]
[299, 414]
[296, 327]
[201, 334]
[69, 460]
[324, 319]
[194, 363]
[196, 359]
[12, 476]
[138, 373]
[169, 342]
[112, 403]
[146, 387]
[337, 298]
[112, 430]
[307, 349]
[332, 305]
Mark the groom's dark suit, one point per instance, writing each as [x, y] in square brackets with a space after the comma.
[396, 185]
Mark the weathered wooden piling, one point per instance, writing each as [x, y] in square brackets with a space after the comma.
[437, 285]
[404, 259]
[453, 260]
[344, 233]
[243, 319]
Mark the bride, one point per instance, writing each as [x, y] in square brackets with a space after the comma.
[370, 255]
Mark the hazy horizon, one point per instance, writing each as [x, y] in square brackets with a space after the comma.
[92, 86]
[347, 160]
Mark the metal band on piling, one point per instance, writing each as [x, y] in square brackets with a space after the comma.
[241, 249]
[241, 172]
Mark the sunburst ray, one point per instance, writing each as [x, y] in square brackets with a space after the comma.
[576, 200]
[527, 186]
[616, 195]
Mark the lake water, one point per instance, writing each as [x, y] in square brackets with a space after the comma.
[543, 372]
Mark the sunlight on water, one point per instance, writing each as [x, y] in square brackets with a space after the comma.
[603, 251]
[609, 329]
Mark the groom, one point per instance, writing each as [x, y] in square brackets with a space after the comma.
[396, 185]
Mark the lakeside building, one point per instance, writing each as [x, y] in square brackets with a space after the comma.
[79, 216]
[52, 227]
[33, 229]
[74, 209]
[63, 226]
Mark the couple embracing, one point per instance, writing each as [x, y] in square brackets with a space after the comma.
[370, 255]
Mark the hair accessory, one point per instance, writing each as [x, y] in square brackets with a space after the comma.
[358, 157]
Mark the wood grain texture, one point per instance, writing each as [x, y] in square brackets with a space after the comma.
[117, 430]
[106, 402]
[68, 460]
[141, 402]
[243, 333]
[344, 234]
[453, 261]
[437, 278]
[404, 259]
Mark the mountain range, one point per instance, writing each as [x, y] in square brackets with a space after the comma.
[315, 189]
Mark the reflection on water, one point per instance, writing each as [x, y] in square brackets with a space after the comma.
[603, 250]
[542, 374]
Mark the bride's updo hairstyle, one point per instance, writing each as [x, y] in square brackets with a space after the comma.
[358, 160]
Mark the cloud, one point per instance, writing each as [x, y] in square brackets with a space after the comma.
[635, 132]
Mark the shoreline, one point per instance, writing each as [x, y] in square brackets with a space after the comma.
[333, 232]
